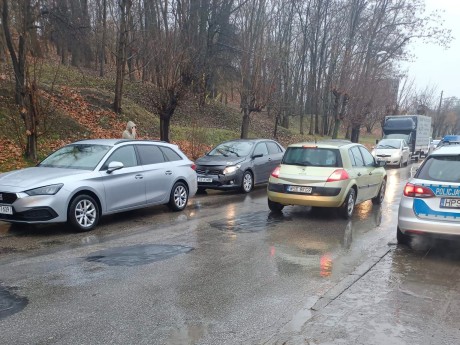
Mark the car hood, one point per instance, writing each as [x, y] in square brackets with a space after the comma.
[386, 151]
[24, 179]
[219, 160]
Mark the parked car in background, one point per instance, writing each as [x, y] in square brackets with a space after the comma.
[238, 164]
[430, 204]
[85, 180]
[332, 173]
[392, 151]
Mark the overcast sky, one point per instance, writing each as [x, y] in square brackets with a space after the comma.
[434, 65]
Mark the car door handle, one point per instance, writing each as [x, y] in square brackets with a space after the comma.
[168, 172]
[138, 177]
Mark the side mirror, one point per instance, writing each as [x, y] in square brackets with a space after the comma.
[258, 155]
[405, 148]
[114, 166]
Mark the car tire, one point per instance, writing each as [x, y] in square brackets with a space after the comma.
[402, 238]
[83, 214]
[247, 182]
[378, 199]
[401, 163]
[346, 210]
[275, 206]
[178, 198]
[201, 190]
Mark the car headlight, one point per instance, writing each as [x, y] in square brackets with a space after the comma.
[231, 169]
[46, 190]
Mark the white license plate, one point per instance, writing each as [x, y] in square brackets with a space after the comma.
[449, 203]
[6, 209]
[204, 179]
[299, 189]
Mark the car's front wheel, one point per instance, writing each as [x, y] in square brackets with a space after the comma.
[275, 206]
[378, 200]
[346, 210]
[247, 183]
[83, 213]
[179, 197]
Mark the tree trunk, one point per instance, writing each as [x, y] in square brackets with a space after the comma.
[104, 37]
[355, 132]
[245, 124]
[165, 120]
[125, 8]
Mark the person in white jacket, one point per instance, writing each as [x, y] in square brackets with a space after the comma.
[130, 131]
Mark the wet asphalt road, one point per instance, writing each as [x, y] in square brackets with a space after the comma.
[227, 271]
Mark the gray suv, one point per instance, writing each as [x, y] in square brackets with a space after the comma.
[84, 180]
[238, 164]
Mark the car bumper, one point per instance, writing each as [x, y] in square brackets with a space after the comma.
[389, 160]
[231, 181]
[36, 209]
[409, 223]
[320, 197]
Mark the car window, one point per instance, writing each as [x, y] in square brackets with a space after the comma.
[125, 155]
[440, 168]
[76, 156]
[389, 144]
[150, 154]
[357, 157]
[312, 156]
[170, 154]
[368, 158]
[273, 147]
[261, 148]
[232, 148]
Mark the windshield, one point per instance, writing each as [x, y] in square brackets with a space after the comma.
[76, 156]
[389, 144]
[232, 148]
[312, 156]
[441, 168]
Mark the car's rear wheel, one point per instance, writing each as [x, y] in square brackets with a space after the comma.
[247, 183]
[346, 210]
[402, 238]
[83, 213]
[378, 200]
[179, 197]
[275, 206]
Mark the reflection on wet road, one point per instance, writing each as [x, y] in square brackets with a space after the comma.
[251, 274]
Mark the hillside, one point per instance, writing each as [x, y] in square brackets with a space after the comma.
[77, 105]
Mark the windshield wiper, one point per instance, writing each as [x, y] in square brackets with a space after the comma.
[222, 152]
[386, 146]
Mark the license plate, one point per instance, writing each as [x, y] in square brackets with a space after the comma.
[6, 209]
[449, 203]
[299, 189]
[204, 179]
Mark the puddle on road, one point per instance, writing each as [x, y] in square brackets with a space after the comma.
[250, 222]
[10, 303]
[137, 255]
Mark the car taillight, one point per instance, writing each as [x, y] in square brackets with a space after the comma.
[276, 172]
[338, 175]
[414, 191]
[193, 166]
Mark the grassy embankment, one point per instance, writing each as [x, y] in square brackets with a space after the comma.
[77, 105]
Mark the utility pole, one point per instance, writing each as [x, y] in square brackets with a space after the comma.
[438, 114]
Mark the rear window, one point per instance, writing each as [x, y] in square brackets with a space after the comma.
[440, 168]
[311, 156]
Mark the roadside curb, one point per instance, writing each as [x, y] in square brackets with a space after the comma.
[352, 278]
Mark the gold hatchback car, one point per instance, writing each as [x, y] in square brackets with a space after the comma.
[330, 173]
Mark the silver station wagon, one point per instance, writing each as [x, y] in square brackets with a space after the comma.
[82, 181]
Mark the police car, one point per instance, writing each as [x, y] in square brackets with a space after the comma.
[430, 204]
